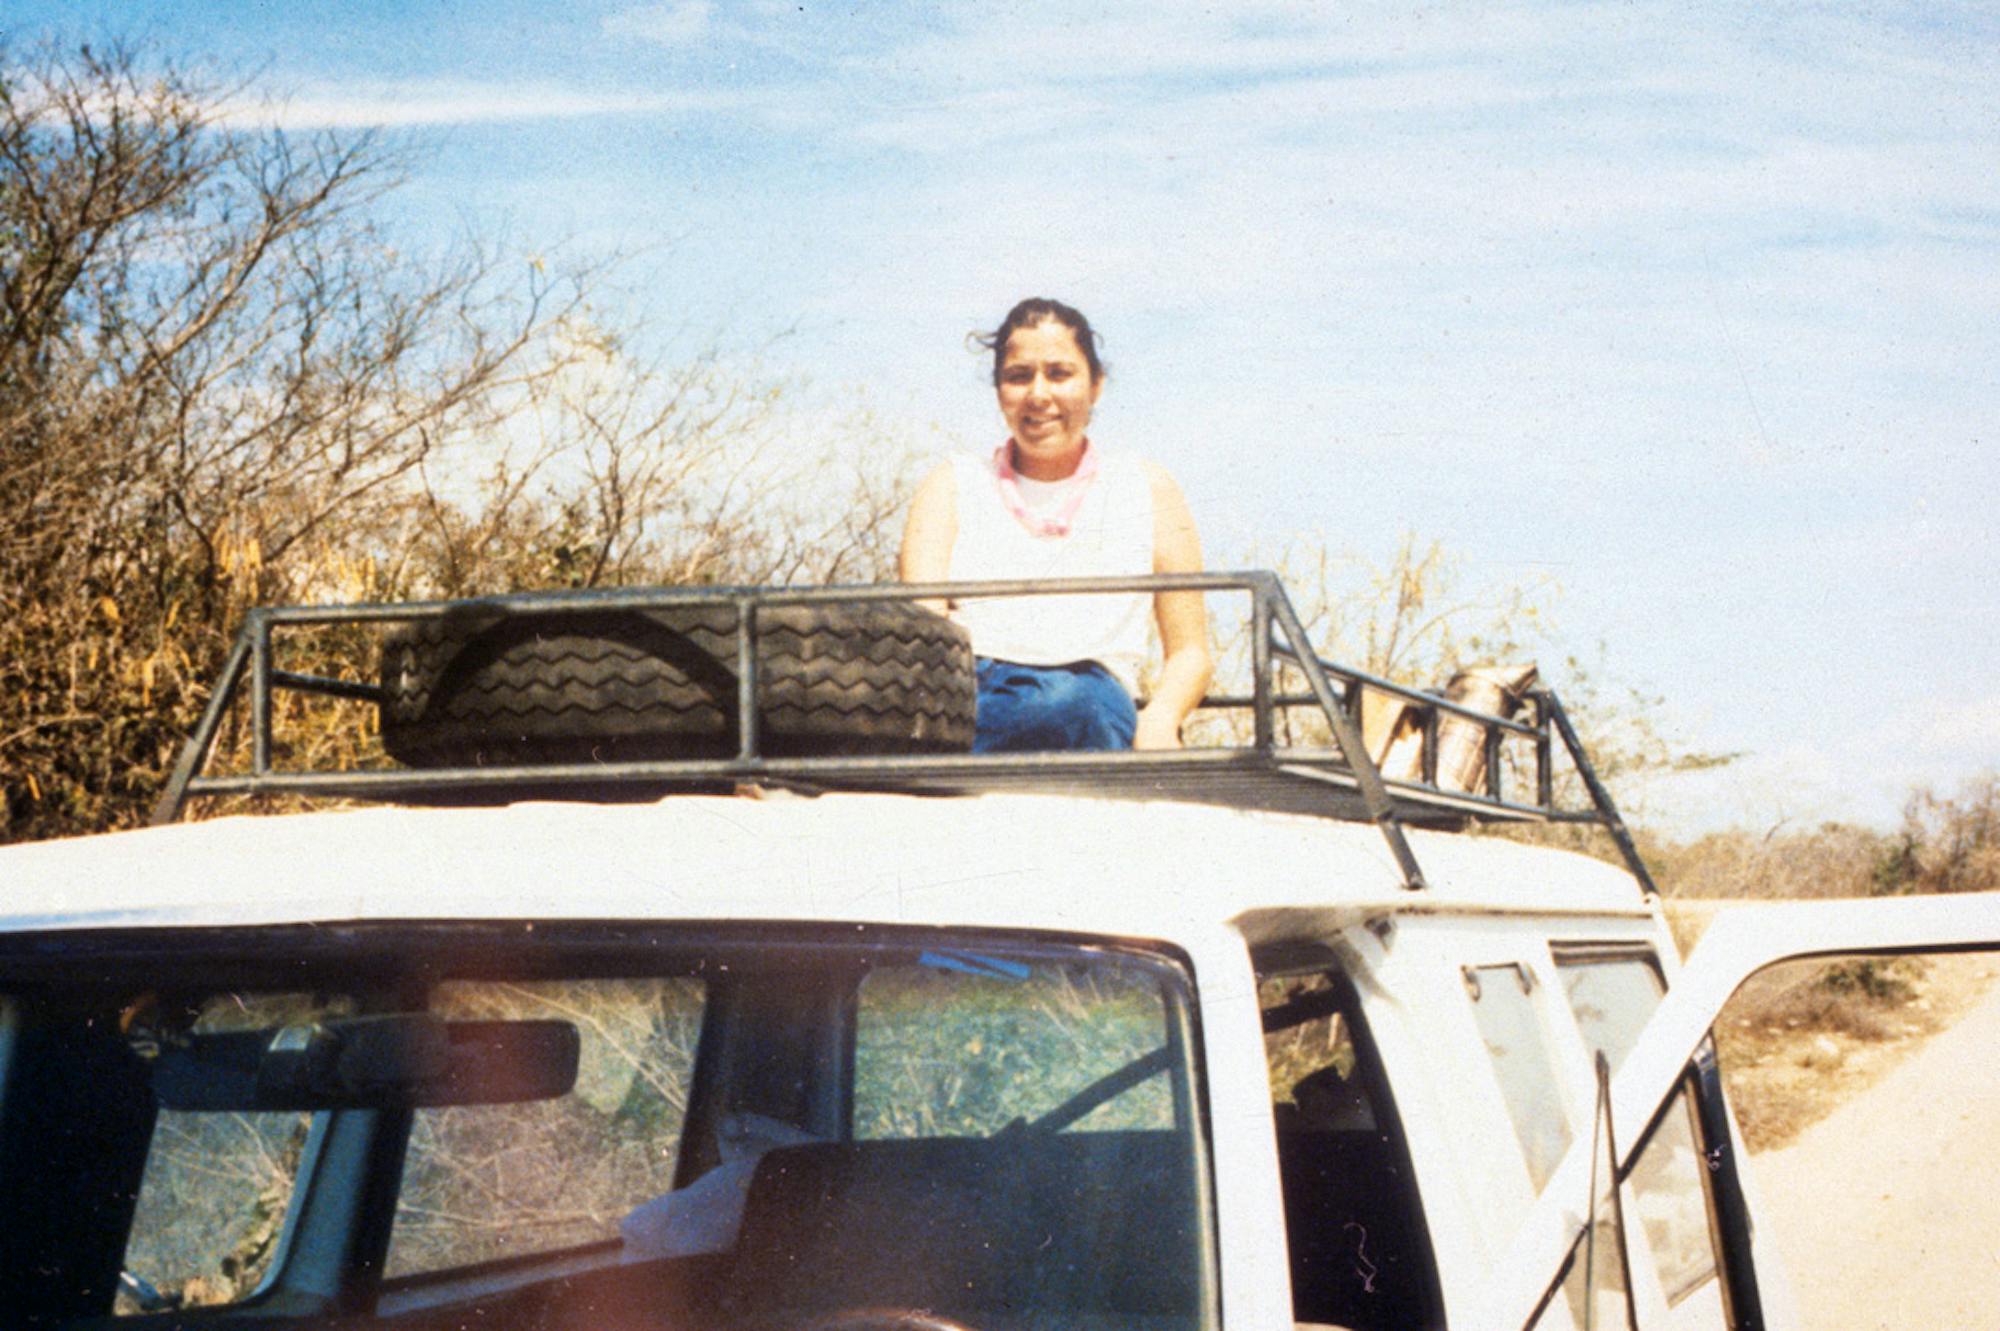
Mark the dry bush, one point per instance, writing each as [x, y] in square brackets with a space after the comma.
[1407, 621]
[1946, 844]
[480, 1182]
[1943, 845]
[1411, 621]
[214, 377]
[1788, 1030]
[1298, 1051]
[212, 1202]
[1833, 860]
[940, 1053]
[1857, 997]
[221, 386]
[1860, 998]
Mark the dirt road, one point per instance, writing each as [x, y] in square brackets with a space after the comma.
[1887, 1213]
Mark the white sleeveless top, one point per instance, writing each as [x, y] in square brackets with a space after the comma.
[1111, 535]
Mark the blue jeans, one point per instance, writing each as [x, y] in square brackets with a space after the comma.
[1077, 706]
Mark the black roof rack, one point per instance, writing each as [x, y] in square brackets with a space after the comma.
[1337, 781]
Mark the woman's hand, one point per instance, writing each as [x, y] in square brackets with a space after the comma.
[1157, 730]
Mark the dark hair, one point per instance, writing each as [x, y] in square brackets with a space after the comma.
[1038, 310]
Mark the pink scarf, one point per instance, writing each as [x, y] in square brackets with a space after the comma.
[1008, 482]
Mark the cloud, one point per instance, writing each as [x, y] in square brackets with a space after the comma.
[683, 23]
[1136, 39]
[1591, 102]
[408, 105]
[1864, 772]
[1966, 736]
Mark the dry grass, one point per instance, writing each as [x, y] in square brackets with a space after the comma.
[1798, 1041]
[1797, 1044]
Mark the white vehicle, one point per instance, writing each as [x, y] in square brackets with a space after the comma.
[1238, 1037]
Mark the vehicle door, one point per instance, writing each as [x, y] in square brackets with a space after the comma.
[1570, 1261]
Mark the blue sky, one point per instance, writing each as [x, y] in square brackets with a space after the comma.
[1692, 310]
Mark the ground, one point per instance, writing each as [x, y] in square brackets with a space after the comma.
[1884, 1202]
[1795, 1049]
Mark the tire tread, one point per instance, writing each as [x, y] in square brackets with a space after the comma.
[488, 688]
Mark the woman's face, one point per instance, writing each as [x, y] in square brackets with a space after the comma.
[1046, 394]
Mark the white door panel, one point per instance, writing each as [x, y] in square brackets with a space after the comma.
[1740, 941]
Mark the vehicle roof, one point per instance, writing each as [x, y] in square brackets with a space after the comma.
[1139, 869]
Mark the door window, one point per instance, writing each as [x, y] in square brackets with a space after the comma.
[1613, 994]
[217, 1185]
[1503, 1004]
[1353, 1231]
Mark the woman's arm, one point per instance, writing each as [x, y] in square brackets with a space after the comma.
[1182, 618]
[929, 533]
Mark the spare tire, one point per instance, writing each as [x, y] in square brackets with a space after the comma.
[481, 686]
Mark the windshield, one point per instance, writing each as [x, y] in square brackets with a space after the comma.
[720, 1128]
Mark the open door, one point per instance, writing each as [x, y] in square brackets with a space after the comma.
[1740, 942]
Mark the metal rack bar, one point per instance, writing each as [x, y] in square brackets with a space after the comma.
[1607, 811]
[597, 600]
[260, 693]
[1545, 775]
[1346, 733]
[333, 688]
[1260, 673]
[1418, 696]
[194, 753]
[1262, 774]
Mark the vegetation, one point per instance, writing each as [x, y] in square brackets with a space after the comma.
[223, 384]
[942, 1054]
[1796, 1031]
[1408, 621]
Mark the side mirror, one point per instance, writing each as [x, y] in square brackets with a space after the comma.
[394, 1060]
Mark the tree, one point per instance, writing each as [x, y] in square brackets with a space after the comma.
[221, 385]
[212, 372]
[1946, 844]
[1414, 621]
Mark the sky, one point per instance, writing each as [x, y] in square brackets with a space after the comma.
[1687, 313]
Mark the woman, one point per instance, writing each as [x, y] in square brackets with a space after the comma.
[1060, 672]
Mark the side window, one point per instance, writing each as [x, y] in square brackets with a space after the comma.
[483, 1182]
[1613, 994]
[1310, 1056]
[1503, 1005]
[958, 1045]
[1356, 1248]
[217, 1185]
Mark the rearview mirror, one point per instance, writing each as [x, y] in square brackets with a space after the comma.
[394, 1060]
